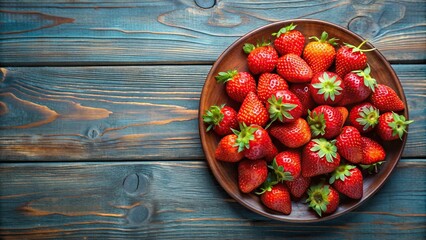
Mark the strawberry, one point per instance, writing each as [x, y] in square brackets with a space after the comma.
[325, 121]
[276, 197]
[326, 88]
[261, 58]
[255, 142]
[289, 40]
[323, 198]
[252, 111]
[347, 179]
[294, 134]
[294, 69]
[286, 165]
[320, 53]
[298, 186]
[227, 150]
[251, 174]
[238, 84]
[344, 112]
[301, 90]
[364, 117]
[392, 126]
[284, 106]
[348, 144]
[349, 58]
[358, 86]
[221, 119]
[268, 84]
[386, 100]
[372, 151]
[319, 156]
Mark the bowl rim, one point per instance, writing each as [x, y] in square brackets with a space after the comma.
[214, 168]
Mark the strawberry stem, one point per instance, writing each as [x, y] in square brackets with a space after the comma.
[369, 117]
[330, 87]
[224, 77]
[213, 116]
[341, 173]
[399, 125]
[318, 198]
[284, 30]
[244, 136]
[358, 49]
[279, 110]
[325, 149]
[368, 80]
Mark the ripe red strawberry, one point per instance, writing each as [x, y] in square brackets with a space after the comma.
[325, 121]
[268, 84]
[298, 186]
[386, 100]
[276, 197]
[319, 156]
[348, 144]
[227, 150]
[286, 165]
[251, 174]
[289, 40]
[349, 58]
[293, 135]
[238, 84]
[364, 117]
[294, 69]
[344, 112]
[252, 111]
[284, 106]
[372, 151]
[261, 58]
[323, 198]
[255, 143]
[347, 179]
[221, 119]
[326, 88]
[358, 86]
[301, 90]
[320, 53]
[392, 126]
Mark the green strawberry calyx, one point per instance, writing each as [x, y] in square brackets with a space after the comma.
[248, 47]
[358, 48]
[368, 117]
[279, 110]
[372, 168]
[224, 77]
[213, 116]
[325, 149]
[316, 123]
[369, 82]
[318, 198]
[341, 173]
[330, 87]
[280, 173]
[399, 125]
[324, 39]
[284, 30]
[244, 136]
[268, 184]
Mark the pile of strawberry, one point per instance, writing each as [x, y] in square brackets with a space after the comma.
[311, 121]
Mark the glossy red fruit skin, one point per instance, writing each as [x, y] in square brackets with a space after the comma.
[319, 55]
[240, 85]
[354, 114]
[290, 160]
[290, 42]
[383, 129]
[268, 84]
[262, 60]
[347, 61]
[288, 98]
[294, 69]
[252, 111]
[352, 186]
[372, 151]
[261, 146]
[333, 120]
[355, 90]
[348, 144]
[251, 174]
[227, 151]
[320, 98]
[334, 200]
[293, 135]
[228, 122]
[278, 199]
[314, 165]
[302, 91]
[386, 99]
[298, 186]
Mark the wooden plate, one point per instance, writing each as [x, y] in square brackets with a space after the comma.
[214, 94]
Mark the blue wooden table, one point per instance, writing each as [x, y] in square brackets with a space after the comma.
[98, 119]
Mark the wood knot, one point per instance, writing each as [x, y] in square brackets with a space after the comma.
[364, 26]
[139, 215]
[205, 3]
[93, 133]
[136, 184]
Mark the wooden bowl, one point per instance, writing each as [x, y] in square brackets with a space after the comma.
[213, 93]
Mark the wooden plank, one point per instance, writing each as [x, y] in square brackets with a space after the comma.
[181, 200]
[140, 112]
[135, 32]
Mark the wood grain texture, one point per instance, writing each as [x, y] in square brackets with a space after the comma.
[159, 200]
[135, 32]
[133, 113]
